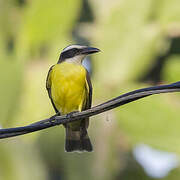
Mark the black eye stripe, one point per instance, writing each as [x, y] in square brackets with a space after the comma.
[73, 51]
[69, 53]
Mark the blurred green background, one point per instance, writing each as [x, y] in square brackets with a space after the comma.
[140, 46]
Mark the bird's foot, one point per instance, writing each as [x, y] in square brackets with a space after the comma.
[52, 118]
[70, 115]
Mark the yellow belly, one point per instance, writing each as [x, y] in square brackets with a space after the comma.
[68, 87]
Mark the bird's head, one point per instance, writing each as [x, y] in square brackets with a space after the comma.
[76, 53]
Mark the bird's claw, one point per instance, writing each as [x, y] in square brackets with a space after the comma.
[52, 118]
[70, 115]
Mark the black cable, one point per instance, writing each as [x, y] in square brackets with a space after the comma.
[111, 104]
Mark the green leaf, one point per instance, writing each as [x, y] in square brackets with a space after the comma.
[45, 23]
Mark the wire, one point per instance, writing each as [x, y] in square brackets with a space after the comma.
[106, 106]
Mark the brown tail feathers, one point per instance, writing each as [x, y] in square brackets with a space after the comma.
[77, 140]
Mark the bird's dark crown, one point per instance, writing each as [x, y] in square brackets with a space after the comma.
[75, 50]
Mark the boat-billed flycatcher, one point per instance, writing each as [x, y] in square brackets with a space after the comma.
[69, 88]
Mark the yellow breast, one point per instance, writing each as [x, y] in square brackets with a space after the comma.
[68, 87]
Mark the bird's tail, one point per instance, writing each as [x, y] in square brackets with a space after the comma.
[77, 140]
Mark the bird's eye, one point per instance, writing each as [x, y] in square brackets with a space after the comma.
[73, 52]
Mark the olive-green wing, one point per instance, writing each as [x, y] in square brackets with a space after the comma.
[88, 100]
[88, 92]
[48, 87]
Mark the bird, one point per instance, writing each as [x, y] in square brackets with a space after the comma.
[70, 90]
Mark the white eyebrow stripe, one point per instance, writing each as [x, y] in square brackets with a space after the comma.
[73, 46]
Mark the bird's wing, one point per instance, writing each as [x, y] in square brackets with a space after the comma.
[88, 92]
[48, 87]
[88, 100]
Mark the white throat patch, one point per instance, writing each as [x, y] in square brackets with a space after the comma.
[76, 59]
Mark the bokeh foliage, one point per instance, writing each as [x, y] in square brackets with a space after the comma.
[132, 35]
[28, 30]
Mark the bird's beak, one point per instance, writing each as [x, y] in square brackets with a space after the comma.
[89, 50]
